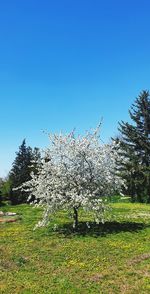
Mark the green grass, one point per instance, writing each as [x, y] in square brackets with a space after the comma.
[109, 258]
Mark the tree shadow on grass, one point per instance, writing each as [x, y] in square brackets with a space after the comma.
[97, 230]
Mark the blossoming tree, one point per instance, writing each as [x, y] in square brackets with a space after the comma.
[76, 171]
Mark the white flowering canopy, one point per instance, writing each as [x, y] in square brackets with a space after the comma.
[75, 172]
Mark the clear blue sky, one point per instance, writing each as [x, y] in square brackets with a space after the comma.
[66, 64]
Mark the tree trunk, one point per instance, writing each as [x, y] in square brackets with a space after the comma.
[75, 216]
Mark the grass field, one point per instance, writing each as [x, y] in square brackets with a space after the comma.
[109, 258]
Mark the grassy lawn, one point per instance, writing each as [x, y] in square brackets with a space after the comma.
[109, 258]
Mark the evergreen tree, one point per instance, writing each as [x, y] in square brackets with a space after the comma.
[20, 172]
[135, 142]
[36, 159]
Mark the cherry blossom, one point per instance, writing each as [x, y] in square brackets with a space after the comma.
[75, 172]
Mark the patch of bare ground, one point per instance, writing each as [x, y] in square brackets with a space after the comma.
[144, 273]
[128, 289]
[8, 220]
[97, 277]
[139, 258]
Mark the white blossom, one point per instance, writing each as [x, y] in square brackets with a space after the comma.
[76, 171]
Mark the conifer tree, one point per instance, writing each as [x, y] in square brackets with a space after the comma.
[135, 143]
[20, 172]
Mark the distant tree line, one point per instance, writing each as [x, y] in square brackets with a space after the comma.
[134, 139]
[4, 189]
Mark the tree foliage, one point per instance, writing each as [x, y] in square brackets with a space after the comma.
[5, 188]
[1, 183]
[25, 162]
[75, 172]
[135, 143]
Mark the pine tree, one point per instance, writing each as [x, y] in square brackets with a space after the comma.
[20, 172]
[135, 142]
[36, 159]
